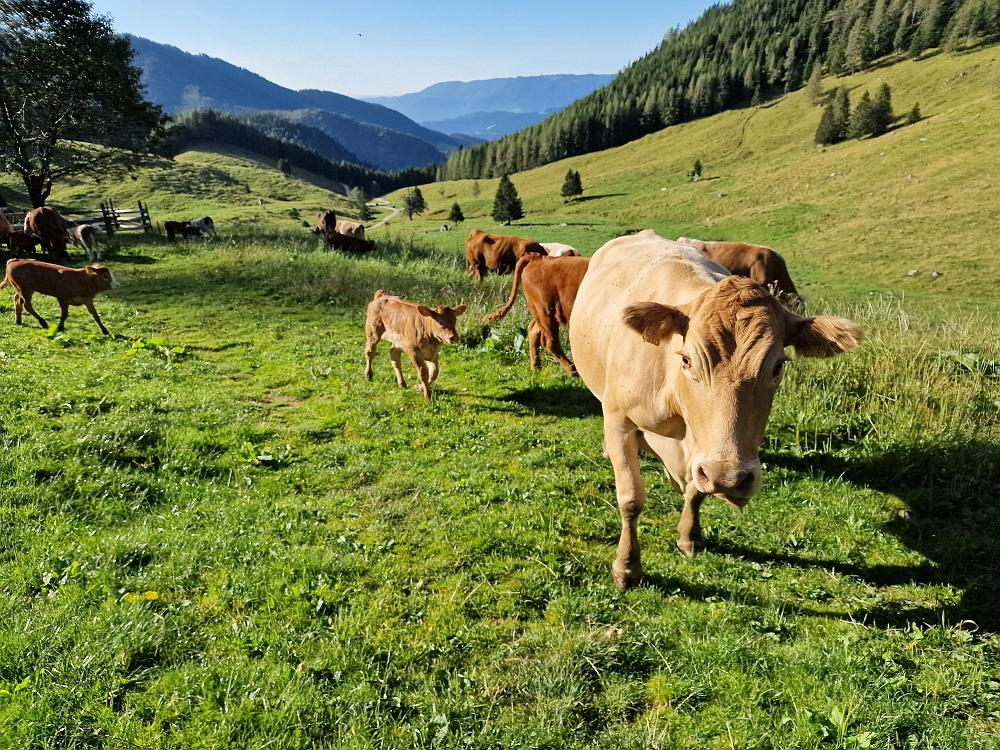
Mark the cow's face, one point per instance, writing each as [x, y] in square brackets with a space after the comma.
[105, 279]
[444, 322]
[729, 365]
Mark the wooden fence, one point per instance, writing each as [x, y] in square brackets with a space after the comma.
[111, 218]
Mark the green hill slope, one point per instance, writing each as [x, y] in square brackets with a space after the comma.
[851, 219]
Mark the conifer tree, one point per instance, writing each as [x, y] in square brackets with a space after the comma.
[914, 115]
[475, 188]
[827, 133]
[284, 167]
[572, 186]
[360, 201]
[882, 115]
[414, 203]
[814, 89]
[456, 216]
[841, 112]
[506, 204]
[862, 118]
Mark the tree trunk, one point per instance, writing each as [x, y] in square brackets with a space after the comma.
[39, 187]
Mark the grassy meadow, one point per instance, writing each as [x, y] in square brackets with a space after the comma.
[215, 533]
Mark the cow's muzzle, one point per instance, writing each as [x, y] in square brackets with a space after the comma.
[735, 483]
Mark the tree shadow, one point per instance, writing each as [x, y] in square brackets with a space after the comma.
[585, 198]
[563, 400]
[135, 260]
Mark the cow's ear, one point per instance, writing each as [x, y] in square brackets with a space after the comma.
[825, 336]
[460, 309]
[655, 322]
[91, 270]
[425, 311]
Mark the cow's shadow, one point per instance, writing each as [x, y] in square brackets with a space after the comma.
[564, 400]
[952, 519]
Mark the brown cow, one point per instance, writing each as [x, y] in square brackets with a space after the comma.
[550, 287]
[70, 286]
[686, 360]
[351, 229]
[495, 252]
[756, 262]
[182, 228]
[414, 329]
[348, 243]
[326, 222]
[22, 245]
[46, 224]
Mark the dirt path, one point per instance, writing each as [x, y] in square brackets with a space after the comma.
[395, 212]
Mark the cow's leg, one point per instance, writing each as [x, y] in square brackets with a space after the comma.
[534, 341]
[432, 368]
[395, 354]
[26, 304]
[370, 347]
[623, 449]
[18, 308]
[689, 541]
[551, 339]
[418, 361]
[93, 313]
[63, 314]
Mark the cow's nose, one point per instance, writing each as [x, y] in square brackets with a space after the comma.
[736, 483]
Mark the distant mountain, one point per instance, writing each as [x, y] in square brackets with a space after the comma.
[487, 125]
[522, 95]
[179, 81]
[387, 149]
[277, 125]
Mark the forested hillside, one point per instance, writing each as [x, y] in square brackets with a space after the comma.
[734, 55]
[207, 126]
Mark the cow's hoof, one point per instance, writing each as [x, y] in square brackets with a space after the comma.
[626, 576]
[691, 547]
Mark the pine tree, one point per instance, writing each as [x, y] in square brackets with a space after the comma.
[360, 202]
[572, 186]
[856, 55]
[814, 89]
[914, 115]
[414, 203]
[284, 167]
[827, 133]
[456, 216]
[882, 115]
[475, 188]
[862, 118]
[841, 113]
[507, 205]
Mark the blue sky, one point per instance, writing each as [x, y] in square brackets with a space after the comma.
[405, 46]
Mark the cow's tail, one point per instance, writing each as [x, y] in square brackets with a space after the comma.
[6, 281]
[518, 270]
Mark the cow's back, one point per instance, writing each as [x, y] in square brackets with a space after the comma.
[640, 268]
[551, 285]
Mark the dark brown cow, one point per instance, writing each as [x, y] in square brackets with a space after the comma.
[22, 245]
[51, 228]
[758, 263]
[182, 228]
[550, 287]
[70, 286]
[348, 243]
[417, 330]
[326, 222]
[498, 253]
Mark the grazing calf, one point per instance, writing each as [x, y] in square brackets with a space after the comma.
[70, 286]
[351, 229]
[550, 287]
[686, 360]
[760, 264]
[182, 228]
[46, 224]
[22, 245]
[85, 236]
[498, 253]
[204, 226]
[414, 329]
[348, 243]
[559, 250]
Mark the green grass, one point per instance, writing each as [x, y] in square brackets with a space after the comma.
[215, 533]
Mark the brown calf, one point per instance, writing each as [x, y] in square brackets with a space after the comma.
[182, 228]
[414, 329]
[760, 264]
[70, 286]
[21, 244]
[498, 253]
[348, 243]
[550, 287]
[326, 222]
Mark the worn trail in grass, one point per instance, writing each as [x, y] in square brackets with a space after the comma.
[246, 544]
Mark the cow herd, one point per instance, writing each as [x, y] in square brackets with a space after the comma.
[683, 343]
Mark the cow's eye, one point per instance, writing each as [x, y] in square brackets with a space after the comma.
[686, 361]
[779, 368]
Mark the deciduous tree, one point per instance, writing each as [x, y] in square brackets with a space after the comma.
[71, 99]
[414, 203]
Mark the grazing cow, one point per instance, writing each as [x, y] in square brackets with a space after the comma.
[417, 330]
[5, 229]
[182, 228]
[351, 229]
[686, 360]
[326, 223]
[495, 252]
[70, 286]
[85, 236]
[204, 226]
[756, 262]
[46, 224]
[550, 287]
[22, 245]
[348, 243]
[559, 250]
